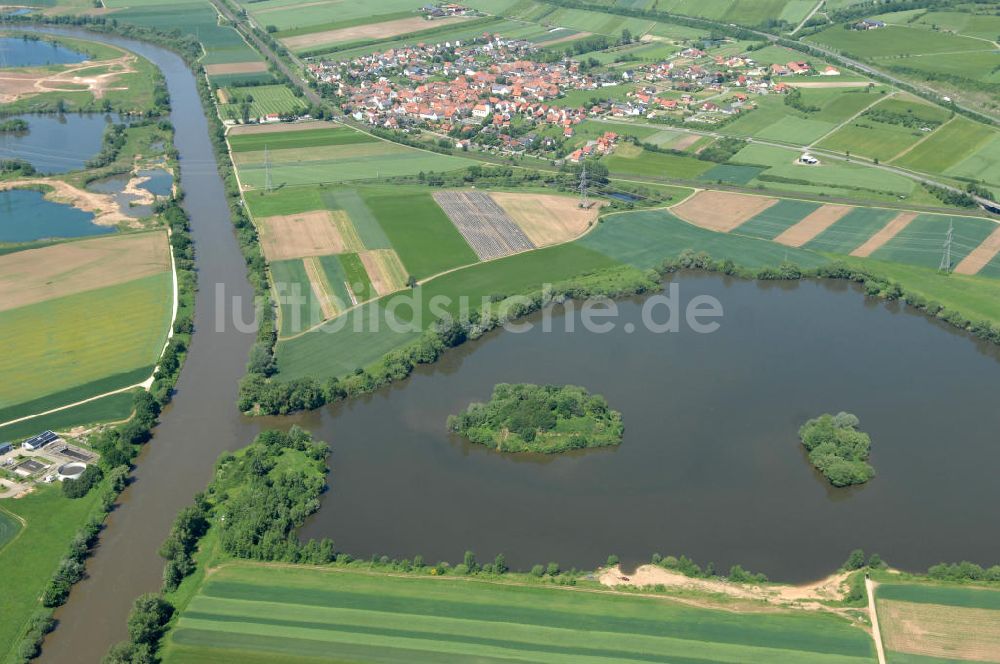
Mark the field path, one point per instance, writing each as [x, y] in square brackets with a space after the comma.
[981, 255]
[851, 119]
[870, 586]
[929, 134]
[889, 231]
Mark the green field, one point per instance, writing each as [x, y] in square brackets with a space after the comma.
[971, 598]
[875, 140]
[850, 231]
[290, 14]
[297, 303]
[266, 100]
[893, 41]
[357, 277]
[781, 216]
[948, 146]
[365, 223]
[195, 17]
[341, 163]
[423, 236]
[921, 242]
[9, 528]
[306, 138]
[656, 164]
[254, 613]
[113, 408]
[29, 560]
[775, 120]
[60, 344]
[983, 164]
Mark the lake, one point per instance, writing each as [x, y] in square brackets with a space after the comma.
[26, 216]
[710, 466]
[18, 52]
[56, 143]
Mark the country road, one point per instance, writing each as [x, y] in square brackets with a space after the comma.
[870, 586]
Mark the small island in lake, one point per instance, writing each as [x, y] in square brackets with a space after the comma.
[540, 418]
[837, 449]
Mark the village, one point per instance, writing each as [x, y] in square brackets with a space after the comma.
[509, 96]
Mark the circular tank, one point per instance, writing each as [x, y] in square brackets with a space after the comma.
[72, 470]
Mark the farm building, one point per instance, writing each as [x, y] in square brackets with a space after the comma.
[5, 447]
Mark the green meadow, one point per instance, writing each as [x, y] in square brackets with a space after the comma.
[51, 521]
[893, 41]
[254, 613]
[288, 140]
[59, 344]
[948, 146]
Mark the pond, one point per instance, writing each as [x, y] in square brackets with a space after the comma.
[710, 466]
[56, 143]
[18, 52]
[25, 216]
[159, 183]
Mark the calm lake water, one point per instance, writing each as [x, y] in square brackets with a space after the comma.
[26, 216]
[711, 465]
[18, 52]
[160, 183]
[56, 143]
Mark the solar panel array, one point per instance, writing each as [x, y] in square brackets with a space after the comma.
[41, 440]
[485, 225]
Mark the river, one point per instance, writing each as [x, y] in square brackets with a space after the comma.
[198, 425]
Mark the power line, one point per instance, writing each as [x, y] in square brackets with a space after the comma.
[584, 202]
[946, 258]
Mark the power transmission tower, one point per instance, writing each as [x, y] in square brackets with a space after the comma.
[946, 258]
[268, 185]
[584, 203]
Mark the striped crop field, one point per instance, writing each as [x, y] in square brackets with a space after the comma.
[928, 624]
[256, 613]
[770, 223]
[851, 230]
[922, 241]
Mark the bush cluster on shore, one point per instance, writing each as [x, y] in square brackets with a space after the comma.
[545, 419]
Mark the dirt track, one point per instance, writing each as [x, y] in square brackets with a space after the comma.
[804, 597]
[720, 210]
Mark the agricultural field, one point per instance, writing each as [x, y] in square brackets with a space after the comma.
[363, 32]
[888, 235]
[893, 41]
[333, 248]
[631, 160]
[254, 613]
[9, 528]
[292, 15]
[888, 128]
[84, 317]
[222, 44]
[950, 145]
[328, 155]
[927, 624]
[263, 100]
